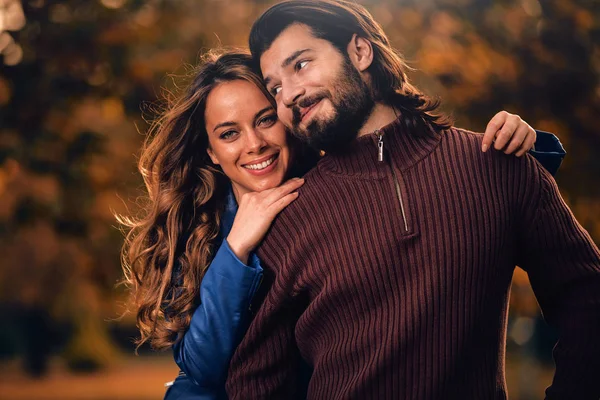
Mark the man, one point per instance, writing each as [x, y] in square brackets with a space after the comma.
[391, 271]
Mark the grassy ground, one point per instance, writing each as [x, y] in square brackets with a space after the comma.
[143, 378]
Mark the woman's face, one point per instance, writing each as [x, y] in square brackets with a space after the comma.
[245, 137]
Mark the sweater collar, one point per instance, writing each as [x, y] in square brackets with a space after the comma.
[405, 146]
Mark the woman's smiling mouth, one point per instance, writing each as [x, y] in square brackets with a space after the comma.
[261, 164]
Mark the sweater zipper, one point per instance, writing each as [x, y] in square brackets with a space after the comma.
[380, 158]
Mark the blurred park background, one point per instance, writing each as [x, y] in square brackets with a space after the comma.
[74, 78]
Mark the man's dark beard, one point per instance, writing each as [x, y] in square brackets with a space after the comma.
[352, 104]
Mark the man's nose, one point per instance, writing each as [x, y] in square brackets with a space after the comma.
[291, 94]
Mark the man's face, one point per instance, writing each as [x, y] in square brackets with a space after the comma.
[321, 97]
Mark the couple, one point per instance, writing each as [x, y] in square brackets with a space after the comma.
[387, 270]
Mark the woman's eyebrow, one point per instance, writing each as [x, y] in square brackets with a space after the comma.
[222, 124]
[264, 110]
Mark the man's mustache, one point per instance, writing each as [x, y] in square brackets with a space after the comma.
[305, 102]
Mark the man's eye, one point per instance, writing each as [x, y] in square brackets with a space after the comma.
[300, 65]
[275, 91]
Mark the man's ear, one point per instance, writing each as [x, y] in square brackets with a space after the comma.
[360, 51]
[212, 156]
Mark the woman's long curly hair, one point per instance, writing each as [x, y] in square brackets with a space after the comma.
[169, 247]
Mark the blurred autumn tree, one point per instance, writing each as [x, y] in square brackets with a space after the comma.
[70, 116]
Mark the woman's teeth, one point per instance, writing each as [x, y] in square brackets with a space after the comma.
[261, 165]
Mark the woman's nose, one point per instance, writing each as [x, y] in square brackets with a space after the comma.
[255, 141]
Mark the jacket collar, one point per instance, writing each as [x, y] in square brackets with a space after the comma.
[406, 146]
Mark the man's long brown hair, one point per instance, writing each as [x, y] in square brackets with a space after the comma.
[337, 21]
[171, 244]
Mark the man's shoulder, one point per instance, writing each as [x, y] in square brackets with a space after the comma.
[462, 148]
[293, 230]
[466, 145]
[305, 214]
[463, 137]
[301, 209]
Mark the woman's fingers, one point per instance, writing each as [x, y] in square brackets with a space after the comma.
[255, 214]
[283, 202]
[275, 194]
[527, 143]
[518, 139]
[507, 132]
[492, 129]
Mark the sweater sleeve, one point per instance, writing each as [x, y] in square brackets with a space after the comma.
[266, 362]
[549, 151]
[563, 265]
[220, 320]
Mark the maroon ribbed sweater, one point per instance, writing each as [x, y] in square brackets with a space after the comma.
[392, 278]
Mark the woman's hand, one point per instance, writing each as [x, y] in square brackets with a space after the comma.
[256, 211]
[509, 132]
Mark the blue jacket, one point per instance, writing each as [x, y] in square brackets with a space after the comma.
[221, 319]
[218, 323]
[548, 151]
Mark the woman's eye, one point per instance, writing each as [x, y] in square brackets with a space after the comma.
[227, 135]
[268, 121]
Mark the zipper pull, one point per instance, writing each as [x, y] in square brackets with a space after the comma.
[379, 146]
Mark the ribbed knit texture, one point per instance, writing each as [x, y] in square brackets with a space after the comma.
[391, 306]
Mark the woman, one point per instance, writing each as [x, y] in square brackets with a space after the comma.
[212, 166]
